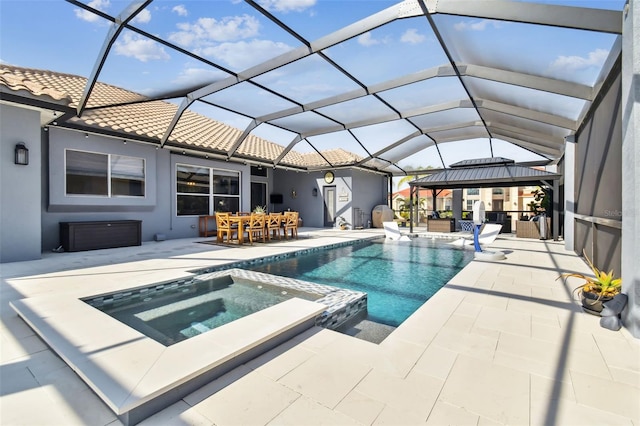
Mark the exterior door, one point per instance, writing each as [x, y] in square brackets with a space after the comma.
[258, 194]
[329, 197]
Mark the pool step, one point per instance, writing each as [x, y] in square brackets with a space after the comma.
[370, 331]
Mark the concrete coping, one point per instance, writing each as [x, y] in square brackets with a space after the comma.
[128, 370]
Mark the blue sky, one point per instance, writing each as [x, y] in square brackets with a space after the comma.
[56, 35]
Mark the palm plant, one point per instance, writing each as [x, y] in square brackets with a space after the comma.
[408, 178]
[541, 201]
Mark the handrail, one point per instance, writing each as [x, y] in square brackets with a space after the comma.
[611, 223]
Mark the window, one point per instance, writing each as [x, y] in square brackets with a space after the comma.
[497, 191]
[193, 189]
[473, 191]
[202, 190]
[107, 175]
[127, 176]
[470, 204]
[258, 171]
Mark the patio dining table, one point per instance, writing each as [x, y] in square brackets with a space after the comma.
[239, 220]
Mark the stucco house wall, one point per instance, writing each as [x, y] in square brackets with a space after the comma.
[157, 209]
[376, 193]
[20, 186]
[371, 191]
[37, 191]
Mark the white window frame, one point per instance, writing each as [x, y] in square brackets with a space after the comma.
[211, 195]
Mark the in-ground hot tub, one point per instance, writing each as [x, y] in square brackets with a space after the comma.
[175, 312]
[136, 374]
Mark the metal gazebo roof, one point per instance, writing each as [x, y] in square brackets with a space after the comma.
[484, 172]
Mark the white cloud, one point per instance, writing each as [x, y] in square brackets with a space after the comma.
[243, 54]
[287, 5]
[412, 36]
[180, 10]
[140, 48]
[577, 63]
[367, 40]
[190, 77]
[474, 25]
[212, 30]
[85, 15]
[143, 17]
[232, 40]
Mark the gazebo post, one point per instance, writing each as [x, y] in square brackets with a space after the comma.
[556, 210]
[411, 189]
[434, 197]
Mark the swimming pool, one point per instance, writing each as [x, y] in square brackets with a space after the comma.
[397, 276]
[135, 374]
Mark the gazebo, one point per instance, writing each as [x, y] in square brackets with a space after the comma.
[487, 173]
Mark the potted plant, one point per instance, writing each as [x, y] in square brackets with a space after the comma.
[260, 209]
[595, 290]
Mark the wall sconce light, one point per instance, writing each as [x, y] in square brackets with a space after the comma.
[314, 192]
[22, 154]
[294, 194]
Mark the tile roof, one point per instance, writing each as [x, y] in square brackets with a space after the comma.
[19, 82]
[337, 157]
[149, 119]
[66, 86]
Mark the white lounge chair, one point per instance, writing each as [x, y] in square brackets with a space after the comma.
[488, 234]
[392, 232]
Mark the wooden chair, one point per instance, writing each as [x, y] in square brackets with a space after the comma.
[256, 225]
[224, 226]
[291, 224]
[274, 225]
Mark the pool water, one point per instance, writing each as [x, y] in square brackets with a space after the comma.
[397, 276]
[173, 313]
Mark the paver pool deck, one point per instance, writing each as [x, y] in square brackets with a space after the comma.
[502, 343]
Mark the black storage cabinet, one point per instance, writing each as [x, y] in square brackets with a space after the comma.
[79, 236]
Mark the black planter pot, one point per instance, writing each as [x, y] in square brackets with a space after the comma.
[591, 304]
